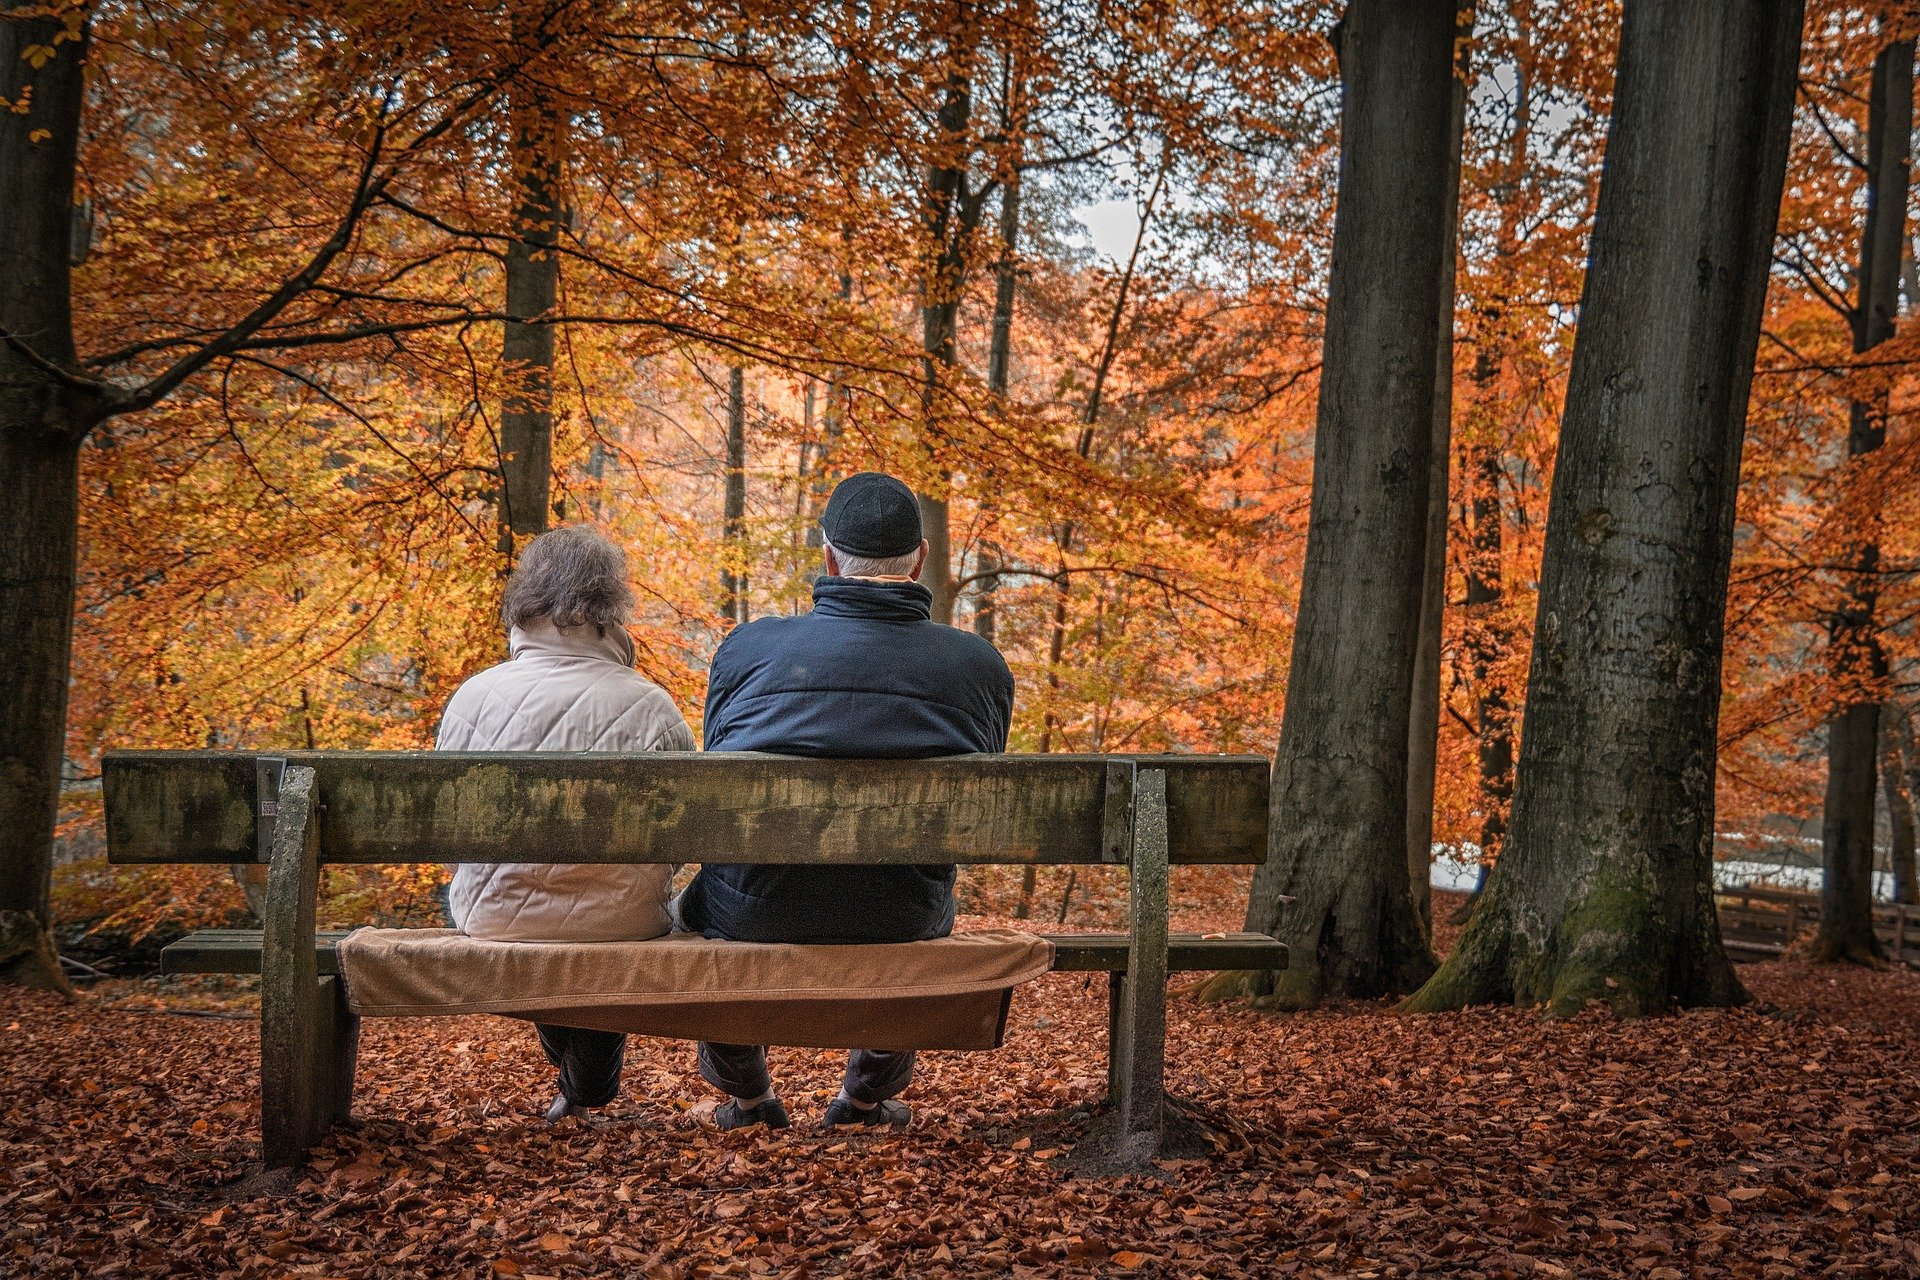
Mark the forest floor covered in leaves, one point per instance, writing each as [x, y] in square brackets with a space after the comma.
[1779, 1140]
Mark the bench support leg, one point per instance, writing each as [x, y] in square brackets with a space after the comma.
[1138, 1068]
[306, 1034]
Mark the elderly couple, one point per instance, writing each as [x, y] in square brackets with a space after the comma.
[865, 674]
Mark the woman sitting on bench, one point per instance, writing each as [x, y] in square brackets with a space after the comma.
[568, 685]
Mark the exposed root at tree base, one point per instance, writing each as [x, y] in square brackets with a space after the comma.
[27, 956]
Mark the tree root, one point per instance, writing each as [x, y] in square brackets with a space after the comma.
[27, 956]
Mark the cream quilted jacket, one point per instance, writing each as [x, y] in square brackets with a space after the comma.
[571, 690]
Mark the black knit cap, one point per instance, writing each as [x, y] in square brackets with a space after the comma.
[873, 516]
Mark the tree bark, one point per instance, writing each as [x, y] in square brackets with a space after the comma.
[1486, 635]
[1893, 782]
[950, 217]
[1604, 891]
[1423, 724]
[1855, 660]
[733, 575]
[999, 366]
[1906, 875]
[1339, 845]
[533, 288]
[43, 420]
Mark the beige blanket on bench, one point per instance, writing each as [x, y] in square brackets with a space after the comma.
[949, 993]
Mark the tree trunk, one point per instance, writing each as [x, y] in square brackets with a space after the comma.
[533, 287]
[999, 364]
[1906, 876]
[1893, 781]
[1423, 724]
[949, 221]
[733, 575]
[43, 420]
[1339, 845]
[1604, 891]
[1855, 658]
[1486, 634]
[826, 458]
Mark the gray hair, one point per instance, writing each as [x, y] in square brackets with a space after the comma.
[852, 566]
[572, 577]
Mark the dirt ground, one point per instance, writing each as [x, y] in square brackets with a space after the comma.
[1781, 1140]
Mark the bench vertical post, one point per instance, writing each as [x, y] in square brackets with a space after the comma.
[306, 1034]
[1139, 1051]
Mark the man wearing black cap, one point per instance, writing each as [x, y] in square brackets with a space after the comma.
[865, 674]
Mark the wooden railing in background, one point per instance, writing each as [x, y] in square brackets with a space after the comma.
[1759, 922]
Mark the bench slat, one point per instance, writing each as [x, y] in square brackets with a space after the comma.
[238, 951]
[422, 806]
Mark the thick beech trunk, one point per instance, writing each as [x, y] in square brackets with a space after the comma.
[43, 420]
[1604, 890]
[1855, 658]
[733, 574]
[1423, 723]
[533, 287]
[1339, 826]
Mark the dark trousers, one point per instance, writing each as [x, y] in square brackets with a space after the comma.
[873, 1075]
[589, 1062]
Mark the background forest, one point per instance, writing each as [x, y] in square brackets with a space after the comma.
[673, 269]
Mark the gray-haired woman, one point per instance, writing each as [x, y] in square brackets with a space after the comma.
[568, 685]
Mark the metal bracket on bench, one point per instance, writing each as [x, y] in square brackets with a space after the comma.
[267, 773]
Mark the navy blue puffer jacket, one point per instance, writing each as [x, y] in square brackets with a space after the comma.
[866, 674]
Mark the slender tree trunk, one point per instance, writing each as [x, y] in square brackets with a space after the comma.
[999, 364]
[1339, 846]
[43, 420]
[1423, 724]
[1486, 635]
[1486, 642]
[950, 219]
[533, 287]
[1855, 658]
[1604, 891]
[833, 419]
[1893, 781]
[733, 575]
[1906, 875]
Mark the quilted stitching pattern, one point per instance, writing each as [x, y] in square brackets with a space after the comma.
[561, 693]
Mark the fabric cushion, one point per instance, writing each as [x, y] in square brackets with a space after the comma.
[947, 993]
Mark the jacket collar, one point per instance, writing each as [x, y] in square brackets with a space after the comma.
[872, 598]
[541, 639]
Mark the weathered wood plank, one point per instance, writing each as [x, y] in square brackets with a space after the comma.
[705, 807]
[1139, 1051]
[238, 951]
[296, 1090]
[182, 806]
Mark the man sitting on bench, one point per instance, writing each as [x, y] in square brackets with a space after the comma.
[866, 674]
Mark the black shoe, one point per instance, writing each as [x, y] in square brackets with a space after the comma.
[884, 1114]
[731, 1115]
[562, 1108]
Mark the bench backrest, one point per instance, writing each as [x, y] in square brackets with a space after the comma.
[426, 806]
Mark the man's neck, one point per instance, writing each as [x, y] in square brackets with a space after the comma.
[878, 577]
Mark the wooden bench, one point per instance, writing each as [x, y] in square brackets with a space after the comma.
[299, 810]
